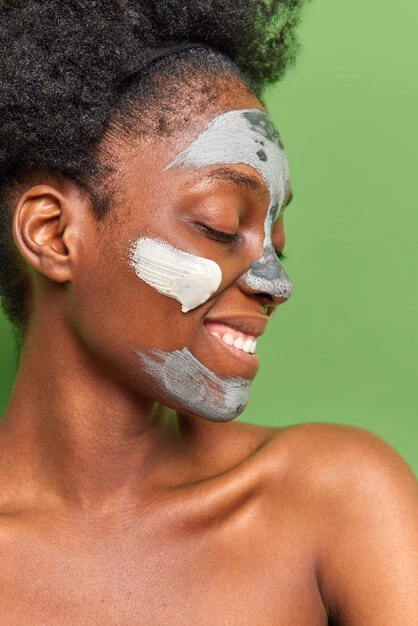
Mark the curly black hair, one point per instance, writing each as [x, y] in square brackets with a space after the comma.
[61, 62]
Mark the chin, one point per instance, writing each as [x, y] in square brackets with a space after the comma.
[185, 384]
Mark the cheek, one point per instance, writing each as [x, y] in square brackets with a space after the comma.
[99, 299]
[113, 314]
[189, 279]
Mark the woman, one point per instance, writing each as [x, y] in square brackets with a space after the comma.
[143, 194]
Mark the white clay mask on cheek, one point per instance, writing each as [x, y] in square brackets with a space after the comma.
[190, 279]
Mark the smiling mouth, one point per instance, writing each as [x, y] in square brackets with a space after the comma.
[232, 337]
[236, 336]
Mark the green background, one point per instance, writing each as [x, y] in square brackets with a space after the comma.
[344, 349]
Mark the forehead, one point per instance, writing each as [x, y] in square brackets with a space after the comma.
[246, 136]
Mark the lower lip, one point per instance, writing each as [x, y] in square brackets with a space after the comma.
[251, 361]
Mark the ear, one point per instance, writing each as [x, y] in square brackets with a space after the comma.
[42, 229]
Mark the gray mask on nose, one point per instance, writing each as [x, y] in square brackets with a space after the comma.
[248, 136]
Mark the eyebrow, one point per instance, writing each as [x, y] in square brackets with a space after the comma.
[244, 181]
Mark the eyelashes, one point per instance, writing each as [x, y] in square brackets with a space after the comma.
[218, 235]
[228, 238]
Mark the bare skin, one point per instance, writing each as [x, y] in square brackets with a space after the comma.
[115, 510]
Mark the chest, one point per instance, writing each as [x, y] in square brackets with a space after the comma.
[230, 575]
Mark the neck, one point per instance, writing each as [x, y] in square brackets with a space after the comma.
[72, 433]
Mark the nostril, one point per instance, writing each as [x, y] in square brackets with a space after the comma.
[267, 299]
[267, 302]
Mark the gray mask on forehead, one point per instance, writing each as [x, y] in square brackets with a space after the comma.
[248, 136]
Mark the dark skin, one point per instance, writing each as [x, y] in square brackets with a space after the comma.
[118, 510]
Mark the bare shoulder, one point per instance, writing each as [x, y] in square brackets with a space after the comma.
[343, 467]
[361, 499]
[323, 455]
[328, 455]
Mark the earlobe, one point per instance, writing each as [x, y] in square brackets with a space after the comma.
[38, 230]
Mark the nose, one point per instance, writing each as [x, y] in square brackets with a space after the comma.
[267, 278]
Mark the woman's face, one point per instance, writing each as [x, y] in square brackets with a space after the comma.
[181, 279]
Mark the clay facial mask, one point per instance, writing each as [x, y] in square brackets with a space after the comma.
[248, 136]
[188, 385]
[190, 279]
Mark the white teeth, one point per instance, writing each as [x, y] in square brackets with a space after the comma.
[228, 339]
[248, 344]
[238, 343]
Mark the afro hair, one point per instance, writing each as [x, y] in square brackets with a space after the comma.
[61, 62]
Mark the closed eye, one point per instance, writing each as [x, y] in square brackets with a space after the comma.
[217, 235]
